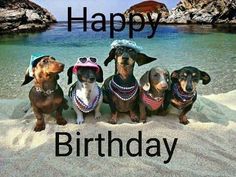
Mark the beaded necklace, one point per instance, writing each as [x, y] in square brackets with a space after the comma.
[82, 106]
[124, 93]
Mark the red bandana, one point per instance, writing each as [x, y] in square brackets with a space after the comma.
[153, 103]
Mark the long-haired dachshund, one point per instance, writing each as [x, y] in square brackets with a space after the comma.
[120, 90]
[154, 86]
[46, 96]
[85, 94]
[183, 89]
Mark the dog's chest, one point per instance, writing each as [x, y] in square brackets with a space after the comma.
[49, 103]
[124, 106]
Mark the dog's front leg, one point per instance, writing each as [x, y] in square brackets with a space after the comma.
[79, 114]
[40, 124]
[114, 113]
[133, 113]
[97, 110]
[182, 117]
[60, 119]
[143, 114]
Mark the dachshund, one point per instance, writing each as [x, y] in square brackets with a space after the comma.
[46, 96]
[183, 89]
[154, 86]
[121, 90]
[85, 94]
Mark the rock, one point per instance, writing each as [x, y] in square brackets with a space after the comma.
[23, 16]
[152, 7]
[203, 11]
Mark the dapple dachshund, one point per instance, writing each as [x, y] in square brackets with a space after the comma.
[154, 86]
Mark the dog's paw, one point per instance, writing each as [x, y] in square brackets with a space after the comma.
[112, 121]
[134, 117]
[98, 115]
[143, 120]
[80, 120]
[61, 122]
[39, 128]
[183, 120]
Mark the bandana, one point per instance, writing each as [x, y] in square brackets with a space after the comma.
[153, 103]
[182, 96]
[82, 106]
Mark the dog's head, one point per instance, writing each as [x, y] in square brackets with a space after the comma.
[42, 69]
[157, 78]
[87, 71]
[188, 78]
[126, 53]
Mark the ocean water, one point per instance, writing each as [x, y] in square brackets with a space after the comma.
[210, 49]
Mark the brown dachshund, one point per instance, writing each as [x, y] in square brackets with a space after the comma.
[46, 96]
[121, 90]
[154, 84]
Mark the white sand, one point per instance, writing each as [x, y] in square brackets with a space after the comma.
[205, 147]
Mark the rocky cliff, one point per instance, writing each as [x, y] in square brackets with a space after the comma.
[152, 7]
[203, 11]
[23, 16]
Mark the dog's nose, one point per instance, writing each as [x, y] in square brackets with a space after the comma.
[164, 85]
[61, 65]
[125, 57]
[189, 88]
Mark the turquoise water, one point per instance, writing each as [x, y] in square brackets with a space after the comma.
[211, 50]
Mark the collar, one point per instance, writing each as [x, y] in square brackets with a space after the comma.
[124, 93]
[153, 103]
[182, 96]
[46, 92]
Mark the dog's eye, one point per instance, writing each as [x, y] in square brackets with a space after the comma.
[119, 50]
[45, 61]
[131, 50]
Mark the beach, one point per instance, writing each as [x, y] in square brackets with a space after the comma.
[205, 147]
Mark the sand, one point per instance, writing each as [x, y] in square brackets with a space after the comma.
[205, 147]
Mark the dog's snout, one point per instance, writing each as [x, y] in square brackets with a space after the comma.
[61, 65]
[92, 79]
[189, 88]
[125, 56]
[163, 85]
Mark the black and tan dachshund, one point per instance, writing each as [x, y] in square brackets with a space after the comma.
[183, 89]
[121, 90]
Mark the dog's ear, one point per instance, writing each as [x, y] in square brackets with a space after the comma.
[205, 78]
[145, 82]
[175, 75]
[28, 78]
[110, 57]
[69, 74]
[142, 59]
[99, 75]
